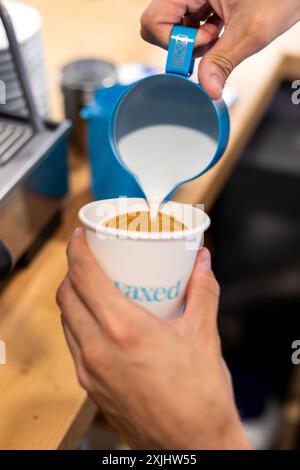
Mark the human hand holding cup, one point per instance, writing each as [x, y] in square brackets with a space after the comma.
[150, 268]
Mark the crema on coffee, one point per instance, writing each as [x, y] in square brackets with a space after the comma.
[142, 222]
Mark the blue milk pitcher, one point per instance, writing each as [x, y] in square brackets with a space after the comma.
[167, 113]
[108, 178]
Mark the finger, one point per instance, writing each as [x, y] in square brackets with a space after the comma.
[209, 33]
[120, 318]
[198, 10]
[212, 28]
[73, 346]
[96, 291]
[84, 272]
[92, 352]
[202, 50]
[231, 48]
[83, 376]
[193, 18]
[202, 294]
[214, 20]
[80, 321]
[103, 396]
[159, 18]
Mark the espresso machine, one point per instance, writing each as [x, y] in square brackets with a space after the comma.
[33, 171]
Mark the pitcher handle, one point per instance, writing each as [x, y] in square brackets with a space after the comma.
[180, 54]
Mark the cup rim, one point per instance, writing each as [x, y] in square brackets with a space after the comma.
[117, 233]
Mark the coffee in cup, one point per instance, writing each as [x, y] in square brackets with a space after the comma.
[150, 268]
[140, 221]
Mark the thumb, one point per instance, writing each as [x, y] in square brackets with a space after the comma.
[202, 294]
[229, 50]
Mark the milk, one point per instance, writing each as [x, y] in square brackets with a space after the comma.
[165, 162]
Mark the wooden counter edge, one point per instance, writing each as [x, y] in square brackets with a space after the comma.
[79, 426]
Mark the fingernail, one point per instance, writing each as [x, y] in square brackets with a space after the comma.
[77, 231]
[205, 258]
[217, 83]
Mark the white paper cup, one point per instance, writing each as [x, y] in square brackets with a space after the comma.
[153, 268]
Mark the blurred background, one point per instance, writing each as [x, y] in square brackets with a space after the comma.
[79, 56]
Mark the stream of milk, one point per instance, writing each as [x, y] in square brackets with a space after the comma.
[171, 155]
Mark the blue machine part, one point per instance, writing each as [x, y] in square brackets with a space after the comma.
[50, 177]
[108, 178]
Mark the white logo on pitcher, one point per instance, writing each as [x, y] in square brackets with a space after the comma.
[180, 50]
